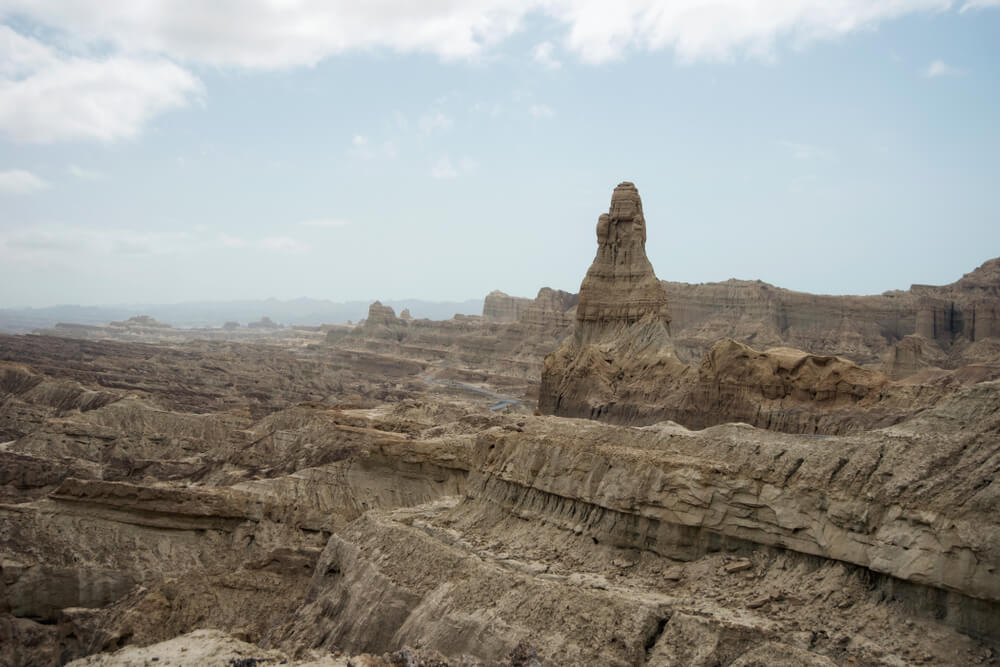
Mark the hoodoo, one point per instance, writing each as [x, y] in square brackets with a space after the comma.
[622, 326]
[621, 366]
[620, 287]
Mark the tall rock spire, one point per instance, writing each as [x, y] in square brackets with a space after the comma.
[620, 287]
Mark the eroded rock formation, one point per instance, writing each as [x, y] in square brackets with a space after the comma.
[366, 503]
[621, 364]
[959, 319]
[620, 288]
[379, 315]
[501, 307]
[387, 497]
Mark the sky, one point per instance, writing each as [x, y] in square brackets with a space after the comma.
[163, 152]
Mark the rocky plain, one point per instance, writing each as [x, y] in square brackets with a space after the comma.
[640, 473]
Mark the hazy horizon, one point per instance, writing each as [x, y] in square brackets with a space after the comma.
[396, 299]
[169, 155]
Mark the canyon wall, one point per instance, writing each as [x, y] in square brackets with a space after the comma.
[959, 319]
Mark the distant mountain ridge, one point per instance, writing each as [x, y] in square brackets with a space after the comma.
[302, 311]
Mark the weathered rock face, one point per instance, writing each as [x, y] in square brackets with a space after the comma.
[426, 522]
[620, 287]
[959, 321]
[379, 315]
[762, 315]
[501, 307]
[912, 354]
[621, 365]
[551, 308]
[621, 341]
[960, 318]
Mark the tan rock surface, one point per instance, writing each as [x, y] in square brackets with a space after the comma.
[952, 317]
[387, 495]
[422, 518]
[624, 369]
[620, 287]
[379, 315]
[501, 307]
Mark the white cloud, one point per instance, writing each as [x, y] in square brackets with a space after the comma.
[801, 151]
[86, 174]
[326, 223]
[363, 148]
[50, 93]
[72, 241]
[271, 35]
[491, 109]
[979, 4]
[281, 244]
[940, 68]
[21, 55]
[695, 30]
[20, 181]
[541, 111]
[229, 241]
[435, 120]
[48, 96]
[542, 53]
[79, 244]
[444, 169]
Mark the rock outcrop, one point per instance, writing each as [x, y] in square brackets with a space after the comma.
[388, 496]
[501, 307]
[379, 315]
[621, 342]
[911, 355]
[960, 319]
[621, 364]
[551, 308]
[365, 502]
[620, 288]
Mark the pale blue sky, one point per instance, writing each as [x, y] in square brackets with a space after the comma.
[442, 150]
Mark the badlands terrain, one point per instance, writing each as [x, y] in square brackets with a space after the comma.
[643, 473]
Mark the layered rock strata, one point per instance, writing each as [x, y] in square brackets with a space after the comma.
[488, 538]
[621, 364]
[620, 288]
[960, 318]
[551, 308]
[379, 315]
[501, 307]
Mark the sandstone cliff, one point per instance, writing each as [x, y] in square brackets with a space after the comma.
[549, 308]
[501, 307]
[960, 318]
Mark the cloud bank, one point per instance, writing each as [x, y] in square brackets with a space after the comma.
[20, 182]
[109, 66]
